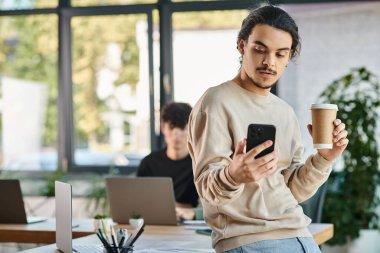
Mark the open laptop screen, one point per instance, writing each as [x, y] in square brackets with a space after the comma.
[150, 197]
[12, 208]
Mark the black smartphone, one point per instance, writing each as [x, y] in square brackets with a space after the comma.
[258, 134]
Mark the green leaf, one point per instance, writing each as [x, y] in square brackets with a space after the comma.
[351, 201]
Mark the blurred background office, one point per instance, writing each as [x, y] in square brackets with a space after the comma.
[83, 81]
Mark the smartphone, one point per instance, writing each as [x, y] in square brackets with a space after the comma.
[258, 134]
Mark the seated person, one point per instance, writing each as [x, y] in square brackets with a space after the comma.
[174, 160]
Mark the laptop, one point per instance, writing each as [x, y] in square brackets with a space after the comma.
[63, 213]
[151, 197]
[12, 209]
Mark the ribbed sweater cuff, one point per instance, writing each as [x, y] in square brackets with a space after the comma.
[226, 178]
[320, 163]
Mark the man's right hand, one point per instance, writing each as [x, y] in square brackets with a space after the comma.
[245, 168]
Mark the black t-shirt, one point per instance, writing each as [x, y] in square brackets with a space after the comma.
[158, 164]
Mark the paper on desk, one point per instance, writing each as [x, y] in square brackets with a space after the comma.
[182, 250]
[176, 246]
[196, 227]
[195, 224]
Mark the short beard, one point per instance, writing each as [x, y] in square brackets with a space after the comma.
[261, 86]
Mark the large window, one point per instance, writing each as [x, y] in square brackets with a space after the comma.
[110, 89]
[28, 82]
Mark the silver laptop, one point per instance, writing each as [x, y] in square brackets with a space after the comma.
[63, 212]
[12, 209]
[151, 197]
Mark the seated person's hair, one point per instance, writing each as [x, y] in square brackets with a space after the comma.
[176, 114]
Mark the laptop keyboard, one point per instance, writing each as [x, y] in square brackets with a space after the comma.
[88, 249]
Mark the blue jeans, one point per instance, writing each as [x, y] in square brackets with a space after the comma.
[291, 245]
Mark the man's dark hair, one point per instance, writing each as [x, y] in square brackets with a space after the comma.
[275, 17]
[176, 114]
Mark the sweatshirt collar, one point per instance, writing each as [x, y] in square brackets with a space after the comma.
[257, 97]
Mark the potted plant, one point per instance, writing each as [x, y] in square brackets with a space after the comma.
[48, 189]
[135, 220]
[351, 200]
[100, 222]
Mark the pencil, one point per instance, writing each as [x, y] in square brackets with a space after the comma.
[113, 236]
[105, 243]
[104, 227]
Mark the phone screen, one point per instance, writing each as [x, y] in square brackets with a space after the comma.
[258, 134]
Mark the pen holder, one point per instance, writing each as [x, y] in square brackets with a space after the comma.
[126, 249]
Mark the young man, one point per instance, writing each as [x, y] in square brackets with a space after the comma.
[174, 161]
[252, 205]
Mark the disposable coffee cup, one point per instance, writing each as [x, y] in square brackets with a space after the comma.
[323, 116]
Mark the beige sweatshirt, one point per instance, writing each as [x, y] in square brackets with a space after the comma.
[250, 212]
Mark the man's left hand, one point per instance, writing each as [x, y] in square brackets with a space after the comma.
[340, 141]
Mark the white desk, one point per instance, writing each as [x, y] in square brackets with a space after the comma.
[156, 237]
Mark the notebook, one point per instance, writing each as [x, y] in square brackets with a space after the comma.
[151, 197]
[63, 212]
[12, 208]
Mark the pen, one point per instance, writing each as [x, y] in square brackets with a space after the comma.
[105, 243]
[101, 234]
[121, 242]
[113, 236]
[105, 232]
[101, 239]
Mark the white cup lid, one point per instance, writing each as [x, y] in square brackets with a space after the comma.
[324, 106]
